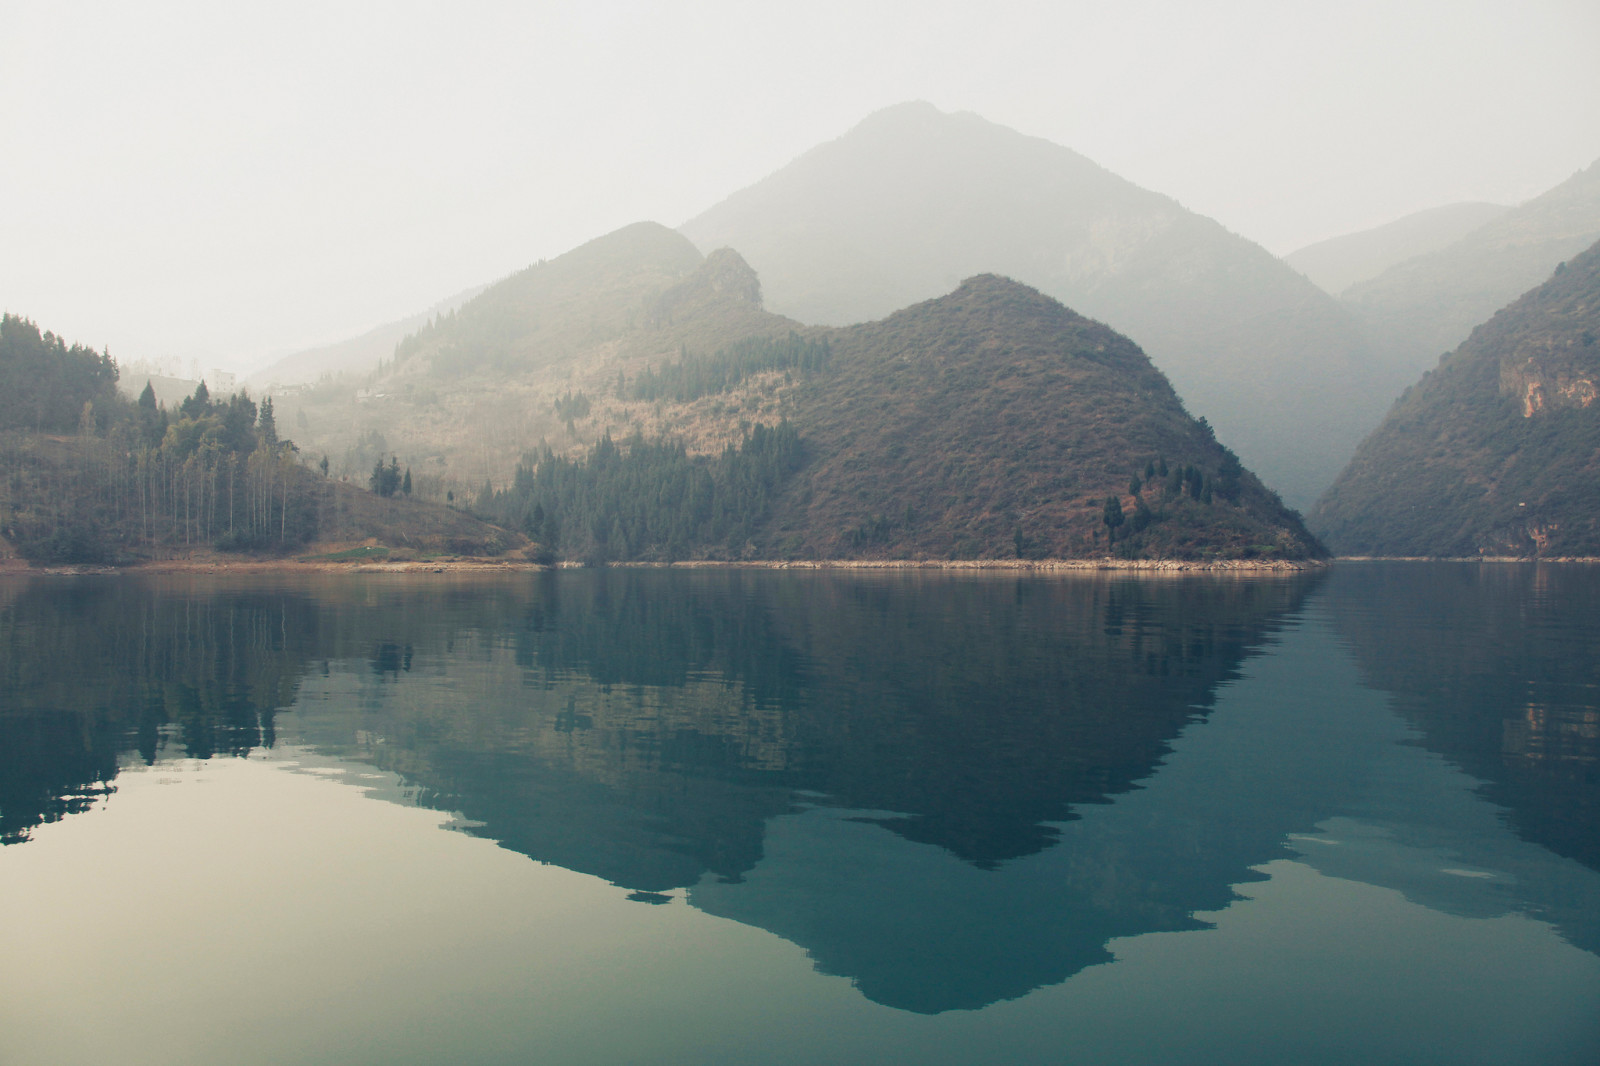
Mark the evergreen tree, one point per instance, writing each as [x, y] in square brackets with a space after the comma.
[198, 405]
[385, 479]
[1113, 518]
[268, 425]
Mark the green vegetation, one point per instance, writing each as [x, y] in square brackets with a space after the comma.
[649, 499]
[121, 480]
[44, 383]
[1495, 452]
[690, 376]
[131, 478]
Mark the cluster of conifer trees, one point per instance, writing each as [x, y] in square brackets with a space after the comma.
[1169, 485]
[44, 383]
[647, 499]
[121, 478]
[692, 376]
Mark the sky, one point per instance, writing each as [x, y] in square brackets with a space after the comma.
[216, 185]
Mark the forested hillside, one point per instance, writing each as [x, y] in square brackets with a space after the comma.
[994, 422]
[45, 383]
[93, 478]
[1497, 450]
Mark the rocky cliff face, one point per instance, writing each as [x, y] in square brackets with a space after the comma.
[1550, 373]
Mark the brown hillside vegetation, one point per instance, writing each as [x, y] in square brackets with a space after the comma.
[994, 422]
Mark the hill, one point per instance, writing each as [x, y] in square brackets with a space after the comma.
[1497, 450]
[1340, 262]
[994, 421]
[534, 360]
[912, 200]
[1418, 310]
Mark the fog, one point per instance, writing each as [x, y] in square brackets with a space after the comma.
[216, 187]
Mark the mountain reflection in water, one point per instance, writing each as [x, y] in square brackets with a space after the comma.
[949, 788]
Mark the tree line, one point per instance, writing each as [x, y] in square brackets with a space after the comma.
[121, 478]
[647, 499]
[693, 375]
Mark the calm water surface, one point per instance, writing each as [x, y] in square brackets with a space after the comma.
[679, 817]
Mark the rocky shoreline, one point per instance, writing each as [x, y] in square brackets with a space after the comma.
[466, 565]
[505, 566]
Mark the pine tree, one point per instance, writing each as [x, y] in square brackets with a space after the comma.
[268, 425]
[1113, 518]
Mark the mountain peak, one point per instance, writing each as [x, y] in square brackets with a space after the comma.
[913, 199]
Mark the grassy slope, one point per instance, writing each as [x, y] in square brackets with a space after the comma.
[1459, 468]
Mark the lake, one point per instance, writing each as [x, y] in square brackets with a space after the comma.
[744, 816]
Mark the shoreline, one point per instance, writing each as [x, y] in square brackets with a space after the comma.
[508, 566]
[484, 566]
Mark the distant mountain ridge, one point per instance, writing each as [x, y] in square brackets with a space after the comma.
[1497, 450]
[358, 355]
[1340, 262]
[1420, 309]
[912, 200]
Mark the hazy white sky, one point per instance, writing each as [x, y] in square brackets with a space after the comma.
[228, 182]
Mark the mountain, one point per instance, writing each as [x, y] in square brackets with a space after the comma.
[1340, 262]
[1497, 450]
[358, 355]
[1417, 310]
[912, 200]
[576, 398]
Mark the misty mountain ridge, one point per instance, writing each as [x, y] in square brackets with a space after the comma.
[1340, 262]
[912, 200]
[990, 422]
[1420, 309]
[357, 355]
[1496, 451]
